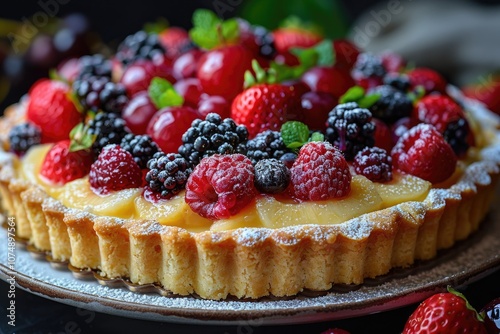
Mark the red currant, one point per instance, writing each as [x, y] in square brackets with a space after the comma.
[137, 76]
[315, 108]
[190, 90]
[331, 80]
[214, 104]
[185, 65]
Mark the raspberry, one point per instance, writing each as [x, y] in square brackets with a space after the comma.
[108, 129]
[61, 166]
[349, 127]
[142, 148]
[320, 173]
[114, 169]
[374, 163]
[212, 136]
[423, 152]
[140, 45]
[271, 176]
[221, 185]
[167, 175]
[448, 118]
[392, 105]
[23, 136]
[266, 145]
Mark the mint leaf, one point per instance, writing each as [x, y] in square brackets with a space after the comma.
[326, 53]
[353, 94]
[163, 94]
[204, 19]
[368, 100]
[210, 31]
[230, 30]
[317, 136]
[294, 134]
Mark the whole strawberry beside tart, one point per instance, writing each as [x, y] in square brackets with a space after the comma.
[233, 160]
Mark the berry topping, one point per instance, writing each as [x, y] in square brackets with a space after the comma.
[289, 37]
[368, 70]
[96, 93]
[429, 79]
[61, 165]
[264, 107]
[320, 173]
[383, 135]
[257, 39]
[398, 81]
[271, 176]
[423, 152]
[212, 136]
[448, 118]
[266, 145]
[138, 112]
[214, 104]
[94, 65]
[167, 175]
[142, 148]
[140, 45]
[175, 40]
[332, 80]
[138, 76]
[374, 163]
[315, 108]
[107, 129]
[23, 136]
[221, 185]
[52, 110]
[392, 105]
[114, 169]
[350, 128]
[288, 159]
[346, 53]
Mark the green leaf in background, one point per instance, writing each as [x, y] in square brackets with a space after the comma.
[163, 94]
[210, 31]
[327, 14]
[294, 134]
[317, 136]
[156, 27]
[353, 94]
[368, 100]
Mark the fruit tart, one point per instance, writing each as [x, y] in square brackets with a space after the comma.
[231, 160]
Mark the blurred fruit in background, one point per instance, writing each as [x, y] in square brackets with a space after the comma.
[486, 90]
[30, 49]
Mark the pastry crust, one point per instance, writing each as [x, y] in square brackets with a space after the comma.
[254, 262]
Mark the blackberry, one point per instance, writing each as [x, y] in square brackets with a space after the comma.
[211, 136]
[94, 65]
[456, 134]
[392, 105]
[142, 148]
[374, 163]
[107, 129]
[349, 127]
[140, 45]
[271, 176]
[23, 136]
[368, 65]
[265, 41]
[398, 81]
[96, 93]
[168, 174]
[266, 145]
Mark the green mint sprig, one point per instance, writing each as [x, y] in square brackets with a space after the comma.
[295, 134]
[357, 94]
[163, 94]
[209, 31]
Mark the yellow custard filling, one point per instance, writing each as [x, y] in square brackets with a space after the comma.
[264, 211]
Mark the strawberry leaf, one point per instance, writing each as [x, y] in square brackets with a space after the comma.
[163, 94]
[467, 304]
[80, 138]
[294, 134]
[261, 76]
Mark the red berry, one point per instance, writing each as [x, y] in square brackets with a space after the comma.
[220, 186]
[335, 331]
[487, 91]
[332, 80]
[61, 166]
[401, 126]
[320, 172]
[437, 110]
[214, 104]
[168, 125]
[393, 62]
[444, 313]
[346, 53]
[174, 39]
[69, 69]
[136, 77]
[287, 38]
[491, 314]
[190, 90]
[51, 108]
[315, 109]
[423, 152]
[114, 169]
[138, 112]
[383, 135]
[186, 64]
[221, 71]
[264, 107]
[431, 80]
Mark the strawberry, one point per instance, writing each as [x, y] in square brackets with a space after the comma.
[429, 79]
[61, 165]
[264, 107]
[445, 313]
[423, 152]
[51, 108]
[448, 118]
[174, 39]
[115, 169]
[290, 37]
[486, 91]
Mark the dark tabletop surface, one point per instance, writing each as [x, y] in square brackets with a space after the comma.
[38, 315]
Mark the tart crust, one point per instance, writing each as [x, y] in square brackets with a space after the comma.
[254, 262]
